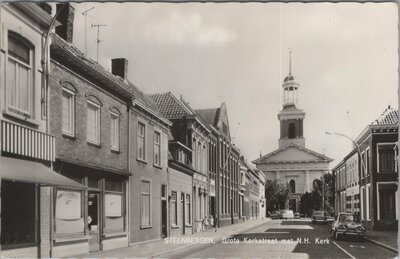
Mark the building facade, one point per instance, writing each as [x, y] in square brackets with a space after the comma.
[292, 163]
[190, 133]
[28, 150]
[227, 171]
[370, 173]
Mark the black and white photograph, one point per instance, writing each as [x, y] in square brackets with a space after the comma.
[199, 129]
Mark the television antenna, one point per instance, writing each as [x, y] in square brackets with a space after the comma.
[98, 39]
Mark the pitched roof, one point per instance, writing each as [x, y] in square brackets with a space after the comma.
[60, 48]
[209, 115]
[321, 157]
[389, 116]
[170, 106]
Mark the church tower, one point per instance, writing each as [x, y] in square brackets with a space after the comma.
[290, 117]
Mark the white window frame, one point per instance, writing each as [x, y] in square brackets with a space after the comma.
[368, 198]
[145, 180]
[174, 221]
[377, 153]
[31, 82]
[115, 124]
[378, 208]
[362, 192]
[188, 213]
[143, 158]
[157, 147]
[97, 122]
[71, 100]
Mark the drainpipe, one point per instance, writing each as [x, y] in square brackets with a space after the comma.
[45, 61]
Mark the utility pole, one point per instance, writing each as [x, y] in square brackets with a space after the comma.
[84, 13]
[98, 39]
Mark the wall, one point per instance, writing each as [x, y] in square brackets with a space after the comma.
[147, 171]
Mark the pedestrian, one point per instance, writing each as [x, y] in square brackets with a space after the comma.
[206, 222]
[211, 222]
[215, 223]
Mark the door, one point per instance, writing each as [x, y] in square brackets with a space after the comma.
[94, 221]
[183, 212]
[164, 227]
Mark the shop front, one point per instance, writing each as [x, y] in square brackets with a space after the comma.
[93, 218]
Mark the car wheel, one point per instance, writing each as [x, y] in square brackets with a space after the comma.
[336, 235]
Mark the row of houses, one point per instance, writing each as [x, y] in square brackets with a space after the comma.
[89, 162]
[366, 180]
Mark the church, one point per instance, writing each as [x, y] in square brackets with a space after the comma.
[292, 163]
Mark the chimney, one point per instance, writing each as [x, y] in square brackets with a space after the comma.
[119, 67]
[66, 18]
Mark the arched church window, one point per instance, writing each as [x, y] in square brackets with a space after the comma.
[317, 184]
[292, 130]
[292, 186]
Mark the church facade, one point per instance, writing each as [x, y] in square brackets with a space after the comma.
[292, 163]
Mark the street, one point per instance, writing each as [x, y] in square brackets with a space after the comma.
[287, 239]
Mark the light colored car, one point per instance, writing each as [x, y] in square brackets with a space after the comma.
[345, 225]
[318, 216]
[287, 214]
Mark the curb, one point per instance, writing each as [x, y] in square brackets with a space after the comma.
[383, 245]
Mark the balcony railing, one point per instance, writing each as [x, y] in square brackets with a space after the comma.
[23, 141]
[180, 153]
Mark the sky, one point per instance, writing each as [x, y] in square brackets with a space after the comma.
[344, 56]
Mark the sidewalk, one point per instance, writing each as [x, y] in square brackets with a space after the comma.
[164, 246]
[386, 239]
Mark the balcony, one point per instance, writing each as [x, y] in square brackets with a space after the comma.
[23, 141]
[181, 153]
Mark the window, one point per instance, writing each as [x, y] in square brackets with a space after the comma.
[68, 208]
[141, 137]
[19, 75]
[386, 158]
[68, 112]
[157, 148]
[174, 209]
[145, 213]
[18, 213]
[187, 210]
[292, 130]
[93, 122]
[114, 131]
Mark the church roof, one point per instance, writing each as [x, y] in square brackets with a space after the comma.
[297, 154]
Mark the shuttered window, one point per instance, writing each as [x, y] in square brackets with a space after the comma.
[93, 123]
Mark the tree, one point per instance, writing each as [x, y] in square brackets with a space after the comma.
[276, 195]
[313, 201]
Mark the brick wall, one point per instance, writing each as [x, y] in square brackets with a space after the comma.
[78, 149]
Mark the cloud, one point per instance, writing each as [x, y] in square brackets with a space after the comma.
[179, 28]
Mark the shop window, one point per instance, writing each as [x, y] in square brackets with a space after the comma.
[68, 214]
[114, 206]
[20, 87]
[68, 112]
[115, 131]
[93, 122]
[174, 209]
[145, 204]
[387, 201]
[18, 214]
[141, 140]
[157, 148]
[386, 158]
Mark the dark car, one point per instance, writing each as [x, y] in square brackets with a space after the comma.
[297, 215]
[276, 214]
[345, 225]
[318, 216]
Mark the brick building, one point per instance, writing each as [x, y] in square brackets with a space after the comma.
[227, 166]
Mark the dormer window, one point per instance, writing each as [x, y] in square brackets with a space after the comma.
[19, 75]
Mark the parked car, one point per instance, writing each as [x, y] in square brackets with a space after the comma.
[318, 216]
[345, 225]
[276, 214]
[297, 215]
[287, 214]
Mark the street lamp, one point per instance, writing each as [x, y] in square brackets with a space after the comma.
[355, 144]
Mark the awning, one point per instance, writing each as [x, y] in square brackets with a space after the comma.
[33, 172]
